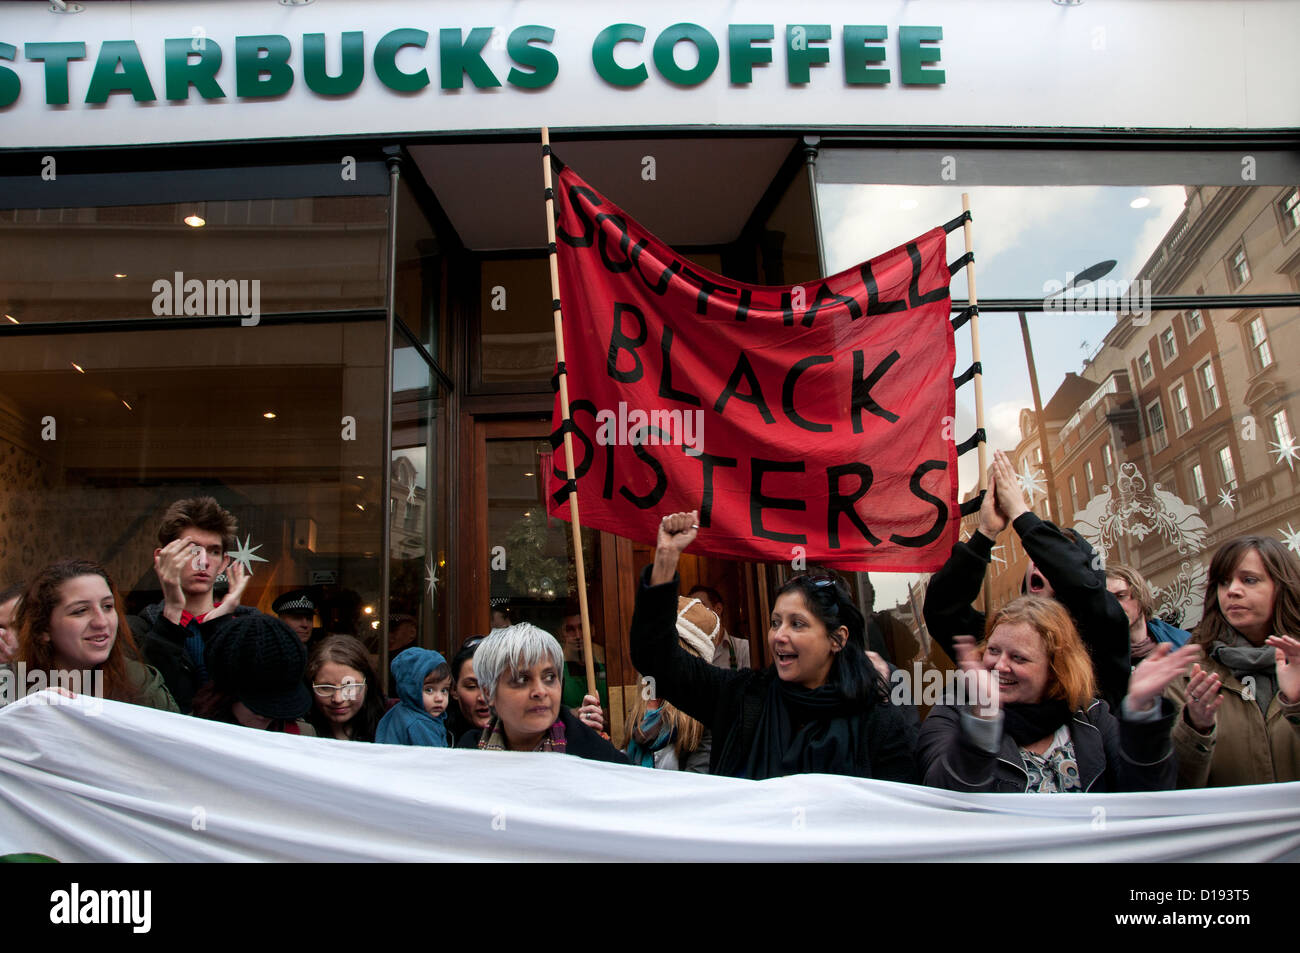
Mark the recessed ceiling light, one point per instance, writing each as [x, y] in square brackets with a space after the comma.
[193, 221]
[119, 275]
[80, 369]
[360, 477]
[361, 507]
[12, 318]
[369, 610]
[1142, 202]
[269, 415]
[529, 473]
[126, 405]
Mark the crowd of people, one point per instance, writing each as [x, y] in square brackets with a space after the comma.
[1074, 686]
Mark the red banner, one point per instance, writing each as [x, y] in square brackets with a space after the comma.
[805, 421]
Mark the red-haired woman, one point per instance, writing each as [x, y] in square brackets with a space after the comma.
[1034, 724]
[1240, 720]
[70, 620]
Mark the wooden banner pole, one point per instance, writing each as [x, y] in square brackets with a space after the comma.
[979, 374]
[574, 522]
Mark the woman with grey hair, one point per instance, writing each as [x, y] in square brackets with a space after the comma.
[521, 671]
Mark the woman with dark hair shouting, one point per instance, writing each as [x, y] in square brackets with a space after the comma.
[820, 709]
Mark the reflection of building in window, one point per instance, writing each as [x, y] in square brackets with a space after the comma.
[1209, 389]
[1238, 267]
[1168, 346]
[1281, 428]
[1261, 353]
[1198, 483]
[1144, 366]
[1074, 493]
[1087, 478]
[1156, 425]
[1182, 413]
[1289, 208]
[1108, 461]
[1227, 472]
[1195, 323]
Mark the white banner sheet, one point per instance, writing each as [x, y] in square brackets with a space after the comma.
[82, 780]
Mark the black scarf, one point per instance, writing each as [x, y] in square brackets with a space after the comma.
[1027, 723]
[802, 731]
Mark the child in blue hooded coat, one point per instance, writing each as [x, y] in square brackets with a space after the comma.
[423, 680]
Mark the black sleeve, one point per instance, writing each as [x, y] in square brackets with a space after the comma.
[1139, 754]
[893, 744]
[163, 645]
[692, 684]
[469, 739]
[948, 611]
[946, 758]
[1081, 588]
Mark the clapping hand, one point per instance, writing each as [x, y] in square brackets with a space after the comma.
[1288, 666]
[984, 680]
[1203, 699]
[238, 580]
[1155, 672]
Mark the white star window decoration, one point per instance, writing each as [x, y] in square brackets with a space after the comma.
[245, 554]
[1286, 451]
[1030, 481]
[1292, 538]
[1227, 499]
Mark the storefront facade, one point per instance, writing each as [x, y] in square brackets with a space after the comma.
[293, 256]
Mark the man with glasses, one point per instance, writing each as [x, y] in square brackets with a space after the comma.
[193, 539]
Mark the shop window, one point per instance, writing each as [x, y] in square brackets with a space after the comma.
[1182, 412]
[1238, 267]
[1261, 355]
[273, 256]
[1195, 321]
[1156, 425]
[1289, 209]
[282, 424]
[1209, 388]
[1198, 483]
[1227, 471]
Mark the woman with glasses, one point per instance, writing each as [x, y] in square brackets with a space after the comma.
[469, 710]
[820, 708]
[346, 701]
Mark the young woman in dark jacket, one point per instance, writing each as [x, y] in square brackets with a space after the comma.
[820, 709]
[1029, 722]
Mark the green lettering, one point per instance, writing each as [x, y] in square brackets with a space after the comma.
[55, 56]
[602, 55]
[458, 59]
[704, 43]
[857, 55]
[182, 73]
[801, 54]
[10, 84]
[250, 65]
[545, 67]
[131, 79]
[386, 60]
[911, 55]
[351, 70]
[741, 52]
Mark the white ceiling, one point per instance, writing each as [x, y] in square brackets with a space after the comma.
[702, 193]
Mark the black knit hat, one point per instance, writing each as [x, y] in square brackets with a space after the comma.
[297, 602]
[257, 659]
